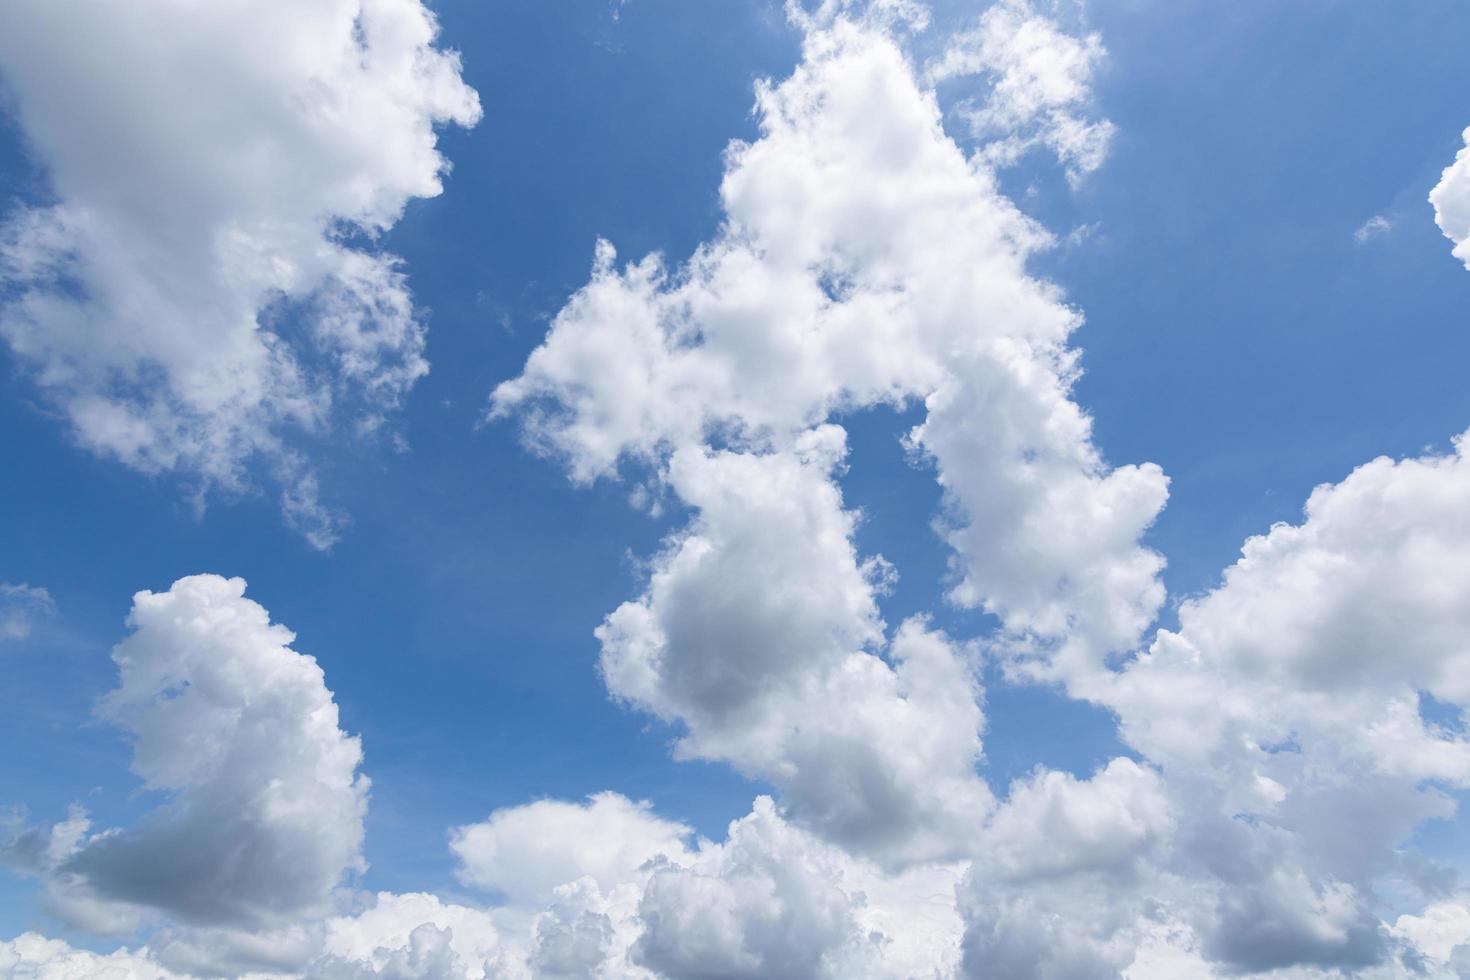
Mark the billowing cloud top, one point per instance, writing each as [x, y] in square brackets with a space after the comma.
[1451, 201]
[204, 288]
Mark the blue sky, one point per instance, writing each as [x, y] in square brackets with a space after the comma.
[1237, 334]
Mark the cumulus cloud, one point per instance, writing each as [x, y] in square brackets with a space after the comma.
[264, 803]
[405, 937]
[20, 607]
[760, 633]
[775, 900]
[1439, 937]
[1286, 718]
[1451, 201]
[1058, 887]
[1284, 753]
[203, 291]
[1285, 740]
[524, 852]
[34, 957]
[761, 905]
[398, 937]
[241, 869]
[864, 260]
[1040, 86]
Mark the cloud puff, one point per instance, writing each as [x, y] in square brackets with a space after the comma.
[34, 957]
[1288, 737]
[20, 606]
[240, 869]
[398, 937]
[1375, 227]
[864, 260]
[1287, 717]
[1057, 888]
[524, 852]
[759, 632]
[264, 809]
[1451, 201]
[1040, 84]
[775, 900]
[203, 288]
[761, 905]
[409, 936]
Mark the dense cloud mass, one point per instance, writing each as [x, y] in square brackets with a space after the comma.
[264, 803]
[203, 288]
[1451, 201]
[1285, 740]
[865, 259]
[525, 852]
[1040, 85]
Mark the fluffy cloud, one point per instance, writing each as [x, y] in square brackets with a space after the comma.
[1439, 938]
[20, 606]
[203, 289]
[524, 852]
[1288, 737]
[774, 900]
[240, 870]
[1064, 864]
[638, 899]
[1290, 718]
[399, 937]
[575, 935]
[34, 957]
[1040, 83]
[753, 633]
[1451, 201]
[1271, 715]
[409, 936]
[763, 904]
[864, 260]
[264, 809]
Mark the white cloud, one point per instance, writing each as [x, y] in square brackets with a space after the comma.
[409, 936]
[20, 606]
[34, 957]
[1451, 201]
[773, 900]
[763, 904]
[1375, 227]
[1058, 887]
[1054, 824]
[575, 935]
[399, 937]
[1439, 934]
[264, 807]
[240, 871]
[526, 851]
[759, 632]
[1284, 715]
[1283, 756]
[1040, 85]
[203, 291]
[1345, 618]
[865, 260]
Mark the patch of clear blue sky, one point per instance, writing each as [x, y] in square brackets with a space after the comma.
[1236, 334]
